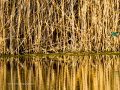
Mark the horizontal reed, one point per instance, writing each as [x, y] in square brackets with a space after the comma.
[58, 25]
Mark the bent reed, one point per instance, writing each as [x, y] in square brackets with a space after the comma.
[58, 26]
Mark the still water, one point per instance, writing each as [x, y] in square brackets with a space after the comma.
[99, 72]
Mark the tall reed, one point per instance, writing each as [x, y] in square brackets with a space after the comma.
[59, 25]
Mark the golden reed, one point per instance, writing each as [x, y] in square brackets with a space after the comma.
[58, 25]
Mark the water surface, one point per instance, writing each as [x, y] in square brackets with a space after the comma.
[59, 72]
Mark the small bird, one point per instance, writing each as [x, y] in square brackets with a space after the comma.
[115, 33]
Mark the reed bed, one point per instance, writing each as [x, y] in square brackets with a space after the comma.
[60, 72]
[58, 26]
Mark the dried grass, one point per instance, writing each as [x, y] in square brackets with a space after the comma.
[59, 25]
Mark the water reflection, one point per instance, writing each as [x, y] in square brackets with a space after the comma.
[99, 72]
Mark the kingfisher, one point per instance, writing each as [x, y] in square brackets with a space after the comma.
[115, 33]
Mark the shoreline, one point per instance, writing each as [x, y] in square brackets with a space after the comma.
[61, 53]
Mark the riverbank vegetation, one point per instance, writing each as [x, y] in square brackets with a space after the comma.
[41, 26]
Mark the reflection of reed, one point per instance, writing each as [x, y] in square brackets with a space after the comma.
[19, 76]
[60, 73]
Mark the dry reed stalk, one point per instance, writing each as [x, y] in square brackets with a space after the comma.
[48, 30]
[11, 31]
[24, 22]
[2, 23]
[56, 21]
[115, 24]
[79, 25]
[117, 20]
[106, 21]
[95, 26]
[82, 26]
[72, 24]
[51, 24]
[13, 26]
[39, 27]
[18, 27]
[34, 39]
[99, 25]
[85, 25]
[28, 23]
[63, 29]
[88, 27]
